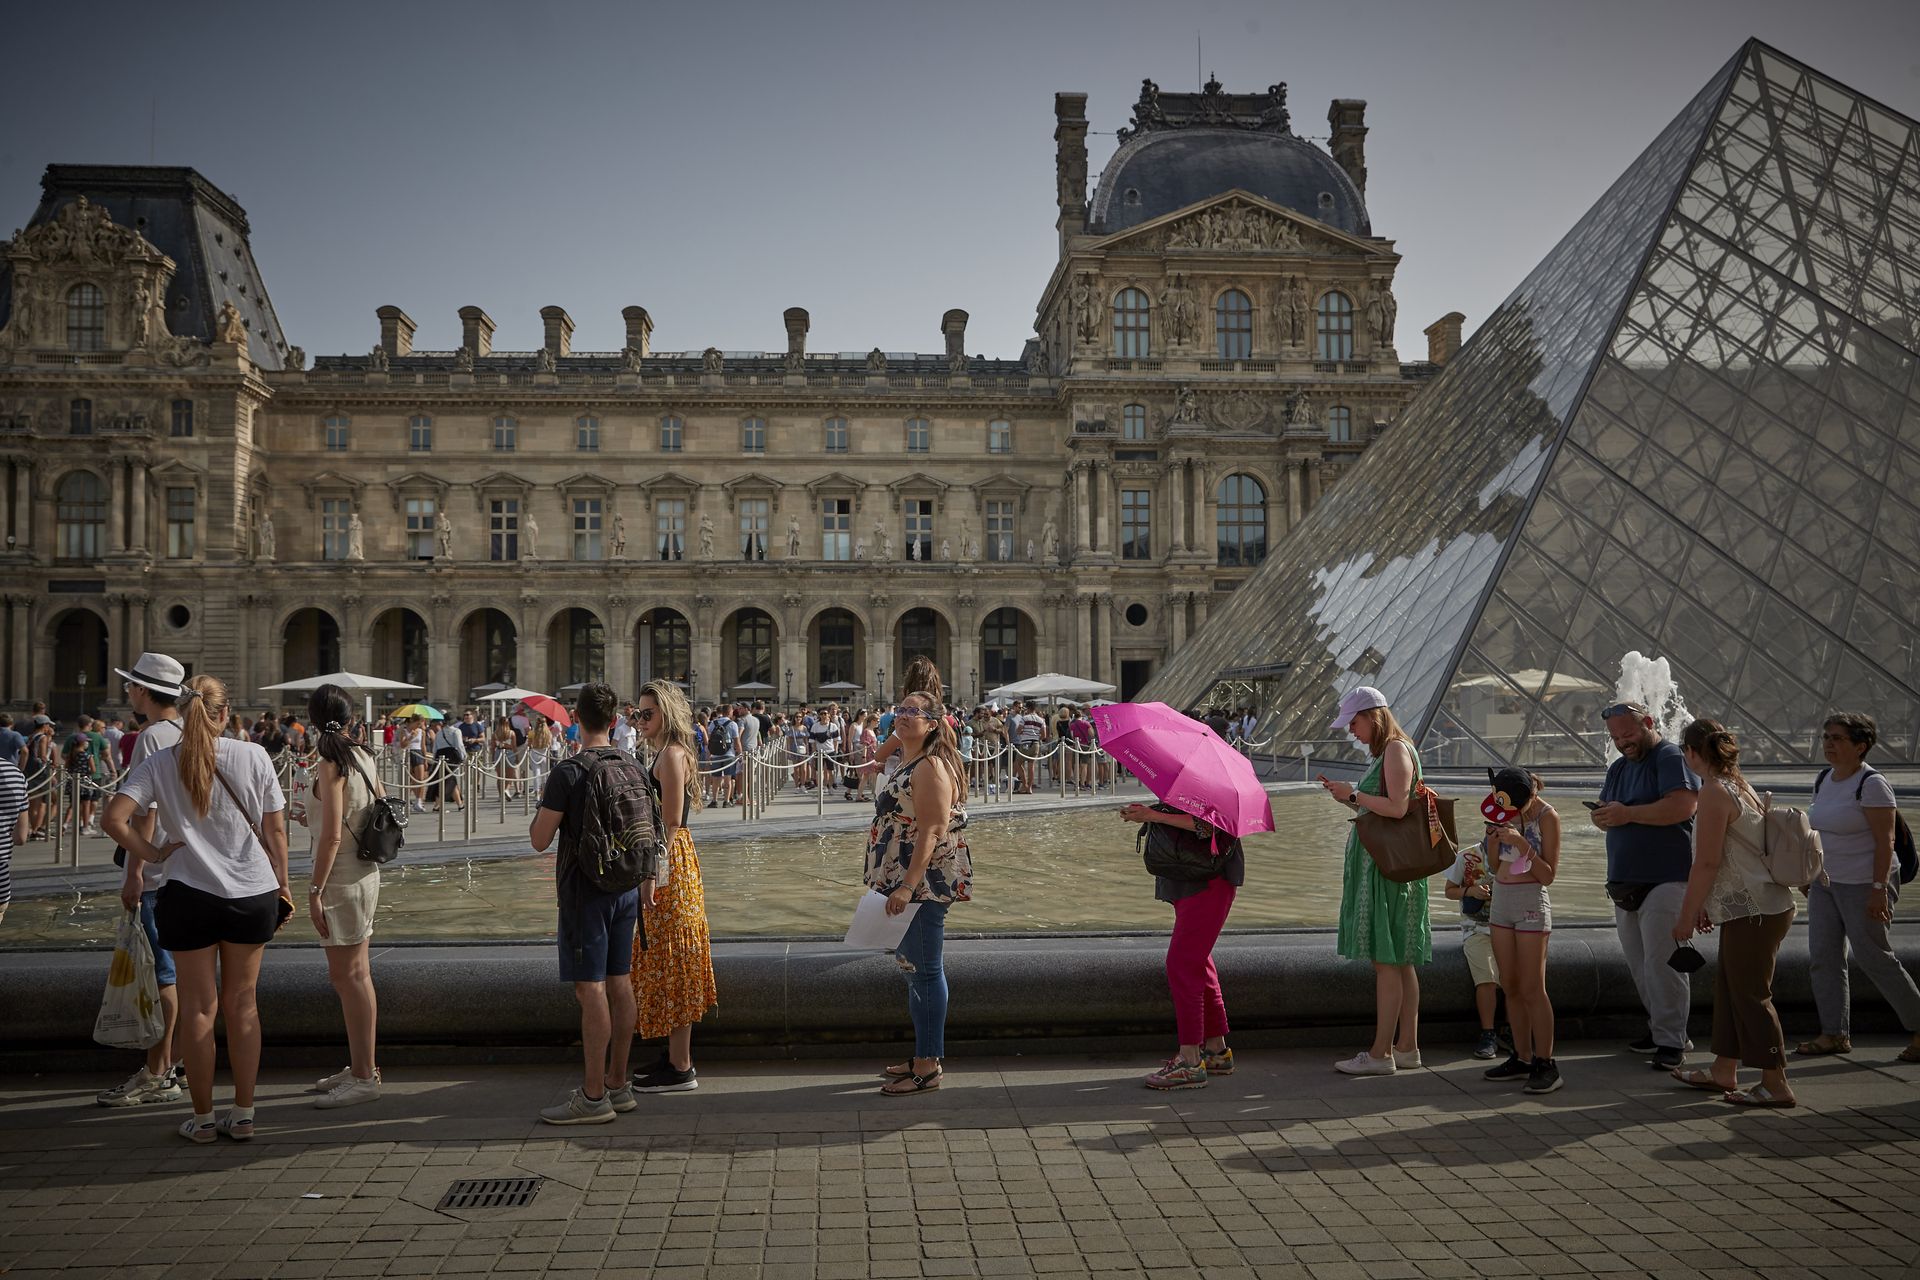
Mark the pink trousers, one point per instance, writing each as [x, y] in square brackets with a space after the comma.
[1199, 1010]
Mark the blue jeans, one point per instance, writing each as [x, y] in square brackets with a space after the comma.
[922, 947]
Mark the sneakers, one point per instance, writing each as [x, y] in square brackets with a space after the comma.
[1511, 1069]
[329, 1083]
[1666, 1059]
[1217, 1064]
[579, 1109]
[1176, 1074]
[1408, 1061]
[1645, 1044]
[239, 1128]
[665, 1079]
[1488, 1046]
[196, 1130]
[1544, 1078]
[621, 1096]
[350, 1092]
[141, 1088]
[1365, 1064]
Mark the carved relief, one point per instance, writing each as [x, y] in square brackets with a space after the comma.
[1087, 311]
[1181, 311]
[1235, 226]
[711, 362]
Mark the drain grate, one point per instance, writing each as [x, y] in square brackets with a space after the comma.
[491, 1193]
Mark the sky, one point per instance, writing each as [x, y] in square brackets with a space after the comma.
[875, 163]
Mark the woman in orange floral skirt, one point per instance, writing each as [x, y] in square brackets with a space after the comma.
[672, 951]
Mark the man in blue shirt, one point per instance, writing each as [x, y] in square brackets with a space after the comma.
[13, 747]
[1646, 808]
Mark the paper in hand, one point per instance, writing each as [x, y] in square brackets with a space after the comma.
[873, 929]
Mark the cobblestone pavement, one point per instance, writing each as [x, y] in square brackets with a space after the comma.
[1018, 1166]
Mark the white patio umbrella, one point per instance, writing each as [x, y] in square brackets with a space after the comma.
[350, 681]
[508, 694]
[1051, 685]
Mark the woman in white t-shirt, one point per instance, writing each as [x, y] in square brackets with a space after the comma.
[223, 838]
[1853, 810]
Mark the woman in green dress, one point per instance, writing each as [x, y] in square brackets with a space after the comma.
[1381, 921]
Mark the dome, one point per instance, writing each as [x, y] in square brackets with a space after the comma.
[1157, 172]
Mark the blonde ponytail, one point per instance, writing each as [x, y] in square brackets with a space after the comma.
[201, 711]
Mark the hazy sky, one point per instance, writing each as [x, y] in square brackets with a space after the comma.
[876, 163]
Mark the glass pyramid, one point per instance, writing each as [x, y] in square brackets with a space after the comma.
[1693, 431]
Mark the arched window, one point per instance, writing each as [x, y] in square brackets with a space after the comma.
[752, 648]
[838, 629]
[81, 513]
[1333, 327]
[1242, 521]
[1340, 424]
[80, 418]
[1000, 647]
[1233, 325]
[672, 647]
[1133, 422]
[1132, 325]
[86, 318]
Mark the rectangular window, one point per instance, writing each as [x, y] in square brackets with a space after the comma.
[587, 541]
[836, 435]
[420, 433]
[1136, 524]
[420, 513]
[80, 418]
[336, 434]
[836, 528]
[670, 528]
[1000, 532]
[586, 434]
[1133, 422]
[506, 435]
[183, 417]
[1000, 437]
[179, 524]
[919, 436]
[753, 435]
[672, 433]
[919, 528]
[754, 516]
[503, 529]
[335, 515]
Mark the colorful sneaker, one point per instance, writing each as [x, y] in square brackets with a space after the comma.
[139, 1089]
[1175, 1074]
[350, 1093]
[621, 1096]
[1217, 1064]
[1488, 1046]
[1365, 1064]
[579, 1109]
[195, 1130]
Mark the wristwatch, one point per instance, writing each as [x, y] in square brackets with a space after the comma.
[316, 888]
[1878, 884]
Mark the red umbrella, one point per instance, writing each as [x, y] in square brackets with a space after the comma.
[547, 707]
[1185, 764]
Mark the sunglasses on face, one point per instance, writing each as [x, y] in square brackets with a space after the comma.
[1623, 709]
[913, 713]
[644, 716]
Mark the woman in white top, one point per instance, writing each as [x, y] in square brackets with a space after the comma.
[223, 837]
[1853, 810]
[1731, 889]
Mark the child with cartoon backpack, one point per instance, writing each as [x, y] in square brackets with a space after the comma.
[1522, 845]
[1470, 886]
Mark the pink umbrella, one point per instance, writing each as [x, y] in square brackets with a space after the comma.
[1185, 764]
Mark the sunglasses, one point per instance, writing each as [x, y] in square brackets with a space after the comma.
[1623, 709]
[1836, 737]
[912, 713]
[644, 716]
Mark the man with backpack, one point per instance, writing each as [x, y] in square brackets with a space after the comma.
[599, 804]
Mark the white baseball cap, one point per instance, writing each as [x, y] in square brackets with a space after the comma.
[1364, 698]
[157, 672]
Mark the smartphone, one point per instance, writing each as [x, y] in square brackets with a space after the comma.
[1591, 804]
[1320, 778]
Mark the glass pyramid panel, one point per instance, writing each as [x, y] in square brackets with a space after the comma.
[1693, 430]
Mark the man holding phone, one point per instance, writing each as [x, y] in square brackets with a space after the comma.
[1646, 808]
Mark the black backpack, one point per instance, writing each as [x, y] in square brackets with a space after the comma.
[614, 822]
[382, 833]
[1904, 853]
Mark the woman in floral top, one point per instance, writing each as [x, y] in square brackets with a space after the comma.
[916, 854]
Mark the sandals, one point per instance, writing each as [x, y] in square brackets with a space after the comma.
[913, 1084]
[898, 1071]
[1700, 1080]
[1824, 1045]
[1760, 1096]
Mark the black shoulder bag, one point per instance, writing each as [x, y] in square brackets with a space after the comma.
[1176, 853]
[381, 836]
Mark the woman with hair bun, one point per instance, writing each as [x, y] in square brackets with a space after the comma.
[1731, 888]
[345, 890]
[224, 839]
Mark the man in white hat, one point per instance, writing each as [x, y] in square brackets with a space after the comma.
[154, 688]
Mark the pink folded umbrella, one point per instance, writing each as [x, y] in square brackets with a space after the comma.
[1186, 764]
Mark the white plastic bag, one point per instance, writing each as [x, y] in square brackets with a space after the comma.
[130, 1015]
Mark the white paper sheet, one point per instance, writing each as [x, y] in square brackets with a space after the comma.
[873, 929]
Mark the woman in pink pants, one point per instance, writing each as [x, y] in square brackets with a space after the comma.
[1199, 913]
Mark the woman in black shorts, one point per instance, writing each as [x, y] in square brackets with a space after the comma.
[222, 837]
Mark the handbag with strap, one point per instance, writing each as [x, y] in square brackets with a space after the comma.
[286, 900]
[1417, 845]
[380, 836]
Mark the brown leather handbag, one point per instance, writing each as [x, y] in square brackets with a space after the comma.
[1413, 847]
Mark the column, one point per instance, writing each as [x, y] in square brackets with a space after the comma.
[620, 670]
[966, 658]
[1177, 620]
[19, 609]
[1200, 609]
[356, 648]
[117, 505]
[1103, 637]
[1312, 467]
[1102, 486]
[1177, 492]
[1082, 511]
[137, 607]
[1295, 496]
[21, 505]
[137, 535]
[1083, 636]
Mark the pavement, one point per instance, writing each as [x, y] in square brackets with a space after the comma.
[1016, 1167]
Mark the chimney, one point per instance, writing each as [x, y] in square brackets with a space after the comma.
[1070, 163]
[639, 329]
[476, 331]
[954, 325]
[1443, 337]
[1348, 116]
[396, 330]
[559, 330]
[797, 321]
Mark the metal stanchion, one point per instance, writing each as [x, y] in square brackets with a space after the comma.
[74, 852]
[819, 780]
[1065, 760]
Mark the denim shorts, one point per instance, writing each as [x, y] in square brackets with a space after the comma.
[596, 934]
[163, 971]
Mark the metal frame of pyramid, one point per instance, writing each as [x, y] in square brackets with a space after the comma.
[1693, 431]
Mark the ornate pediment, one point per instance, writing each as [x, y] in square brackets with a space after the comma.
[84, 235]
[81, 245]
[497, 484]
[331, 482]
[752, 482]
[415, 483]
[921, 482]
[1000, 482]
[1240, 222]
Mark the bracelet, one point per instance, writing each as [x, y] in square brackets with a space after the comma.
[316, 888]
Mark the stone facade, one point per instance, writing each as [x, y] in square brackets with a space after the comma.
[790, 519]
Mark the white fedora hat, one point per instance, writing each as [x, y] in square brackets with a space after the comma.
[157, 672]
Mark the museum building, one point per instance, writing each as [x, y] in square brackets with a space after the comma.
[1213, 349]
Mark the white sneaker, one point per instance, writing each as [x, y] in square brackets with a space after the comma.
[352, 1093]
[334, 1081]
[1406, 1061]
[141, 1088]
[1365, 1064]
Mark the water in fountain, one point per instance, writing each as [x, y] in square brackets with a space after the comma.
[1649, 682]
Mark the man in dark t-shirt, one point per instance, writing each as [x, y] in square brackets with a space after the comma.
[596, 932]
[1646, 808]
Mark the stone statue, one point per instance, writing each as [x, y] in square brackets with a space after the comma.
[463, 360]
[946, 548]
[443, 527]
[1301, 415]
[706, 536]
[913, 548]
[296, 358]
[142, 312]
[1050, 540]
[266, 535]
[1294, 306]
[620, 535]
[882, 542]
[710, 361]
[1375, 314]
[530, 533]
[876, 361]
[227, 327]
[1186, 406]
[1032, 551]
[356, 538]
[1085, 301]
[377, 360]
[547, 363]
[630, 359]
[793, 537]
[1389, 314]
[859, 548]
[1182, 312]
[1038, 364]
[968, 545]
[957, 363]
